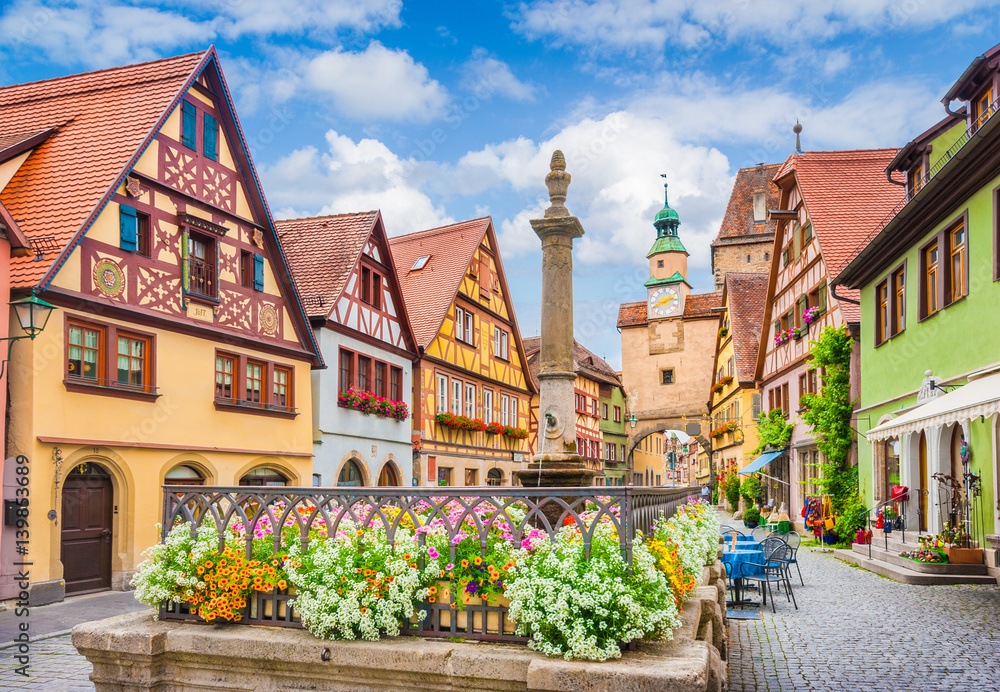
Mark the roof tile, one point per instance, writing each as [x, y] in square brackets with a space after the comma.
[702, 304]
[738, 223]
[632, 314]
[746, 294]
[585, 362]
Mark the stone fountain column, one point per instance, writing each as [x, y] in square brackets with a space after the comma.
[558, 462]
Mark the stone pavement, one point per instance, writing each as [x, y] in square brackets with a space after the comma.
[855, 630]
[54, 665]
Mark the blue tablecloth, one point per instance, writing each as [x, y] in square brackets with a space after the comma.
[743, 543]
[735, 558]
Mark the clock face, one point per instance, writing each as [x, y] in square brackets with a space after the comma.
[664, 302]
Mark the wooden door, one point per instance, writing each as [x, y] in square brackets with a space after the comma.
[922, 495]
[87, 507]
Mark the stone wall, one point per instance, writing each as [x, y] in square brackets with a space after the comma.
[136, 652]
[733, 258]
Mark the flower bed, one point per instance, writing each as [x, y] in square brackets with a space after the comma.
[364, 570]
[372, 404]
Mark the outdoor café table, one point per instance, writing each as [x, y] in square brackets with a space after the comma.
[737, 559]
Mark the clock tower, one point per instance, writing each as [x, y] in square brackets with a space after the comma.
[667, 287]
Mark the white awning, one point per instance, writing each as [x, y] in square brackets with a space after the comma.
[980, 397]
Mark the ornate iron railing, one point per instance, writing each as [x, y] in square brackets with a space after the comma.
[630, 510]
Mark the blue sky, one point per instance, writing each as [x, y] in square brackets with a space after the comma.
[438, 111]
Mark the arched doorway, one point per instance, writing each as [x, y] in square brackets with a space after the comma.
[183, 474]
[86, 535]
[387, 477]
[265, 476]
[494, 477]
[350, 474]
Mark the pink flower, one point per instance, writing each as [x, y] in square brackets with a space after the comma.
[433, 553]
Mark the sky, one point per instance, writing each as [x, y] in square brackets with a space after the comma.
[436, 112]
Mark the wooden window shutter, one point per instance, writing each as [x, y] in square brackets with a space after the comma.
[803, 304]
[821, 297]
[189, 125]
[258, 272]
[211, 138]
[129, 227]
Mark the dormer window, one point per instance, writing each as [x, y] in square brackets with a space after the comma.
[759, 210]
[915, 179]
[982, 108]
[420, 263]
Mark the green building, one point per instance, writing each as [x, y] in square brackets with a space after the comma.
[930, 337]
[613, 435]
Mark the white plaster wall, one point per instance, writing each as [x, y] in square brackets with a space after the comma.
[341, 431]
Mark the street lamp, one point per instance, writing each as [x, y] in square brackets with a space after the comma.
[32, 315]
[633, 420]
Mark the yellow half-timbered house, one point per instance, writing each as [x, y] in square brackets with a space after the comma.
[471, 388]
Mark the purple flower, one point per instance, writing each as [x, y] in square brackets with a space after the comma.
[472, 587]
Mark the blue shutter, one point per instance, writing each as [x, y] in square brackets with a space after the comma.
[211, 137]
[129, 223]
[189, 125]
[258, 273]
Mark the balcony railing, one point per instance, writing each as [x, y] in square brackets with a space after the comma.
[202, 278]
[483, 512]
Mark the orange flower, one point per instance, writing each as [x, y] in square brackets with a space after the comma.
[477, 561]
[465, 563]
[282, 584]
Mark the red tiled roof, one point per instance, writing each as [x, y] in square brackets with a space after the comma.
[321, 252]
[585, 362]
[701, 304]
[632, 314]
[429, 292]
[101, 120]
[746, 294]
[738, 223]
[847, 195]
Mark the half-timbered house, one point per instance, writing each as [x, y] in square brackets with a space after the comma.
[828, 202]
[472, 390]
[179, 352]
[342, 266]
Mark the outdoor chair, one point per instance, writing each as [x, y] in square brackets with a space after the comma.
[726, 528]
[774, 570]
[727, 536]
[760, 533]
[794, 540]
[730, 584]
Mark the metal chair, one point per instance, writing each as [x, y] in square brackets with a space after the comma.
[794, 540]
[760, 533]
[774, 570]
[727, 536]
[726, 528]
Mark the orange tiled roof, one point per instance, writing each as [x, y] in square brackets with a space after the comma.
[746, 293]
[102, 119]
[585, 362]
[847, 195]
[632, 314]
[738, 224]
[321, 252]
[429, 292]
[701, 304]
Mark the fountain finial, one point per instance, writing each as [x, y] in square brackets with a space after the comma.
[558, 182]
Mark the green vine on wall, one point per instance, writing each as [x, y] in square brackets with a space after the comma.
[773, 431]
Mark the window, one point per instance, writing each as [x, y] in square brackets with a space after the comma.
[210, 140]
[442, 394]
[882, 313]
[201, 266]
[618, 414]
[929, 285]
[487, 406]
[264, 477]
[959, 262]
[731, 367]
[85, 352]
[513, 411]
[251, 270]
[982, 108]
[350, 474]
[371, 287]
[807, 234]
[346, 369]
[189, 125]
[225, 367]
[604, 411]
[785, 410]
[915, 179]
[471, 477]
[364, 382]
[659, 264]
[395, 383]
[667, 376]
[899, 300]
[890, 301]
[767, 256]
[494, 477]
[500, 343]
[420, 263]
[784, 257]
[593, 407]
[748, 259]
[470, 400]
[464, 325]
[133, 368]
[134, 230]
[282, 387]
[755, 404]
[379, 379]
[183, 475]
[817, 297]
[255, 382]
[444, 475]
[504, 409]
[456, 397]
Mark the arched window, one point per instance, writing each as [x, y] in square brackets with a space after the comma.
[494, 477]
[183, 475]
[264, 476]
[89, 468]
[388, 476]
[350, 474]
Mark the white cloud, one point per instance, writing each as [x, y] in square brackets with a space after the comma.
[485, 75]
[351, 176]
[377, 83]
[266, 17]
[635, 24]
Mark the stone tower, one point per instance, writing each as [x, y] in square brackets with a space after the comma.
[667, 287]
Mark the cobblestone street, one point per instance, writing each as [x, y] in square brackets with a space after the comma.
[858, 631]
[55, 667]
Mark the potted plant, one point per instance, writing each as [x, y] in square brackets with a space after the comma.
[751, 517]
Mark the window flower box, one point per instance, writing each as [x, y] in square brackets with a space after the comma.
[721, 384]
[372, 404]
[782, 336]
[811, 315]
[723, 332]
[450, 420]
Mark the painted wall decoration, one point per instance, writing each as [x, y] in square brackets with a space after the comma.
[109, 278]
[268, 319]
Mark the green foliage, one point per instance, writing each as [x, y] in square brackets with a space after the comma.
[828, 413]
[751, 489]
[773, 430]
[751, 515]
[730, 484]
[851, 519]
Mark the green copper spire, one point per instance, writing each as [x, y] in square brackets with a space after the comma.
[666, 223]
